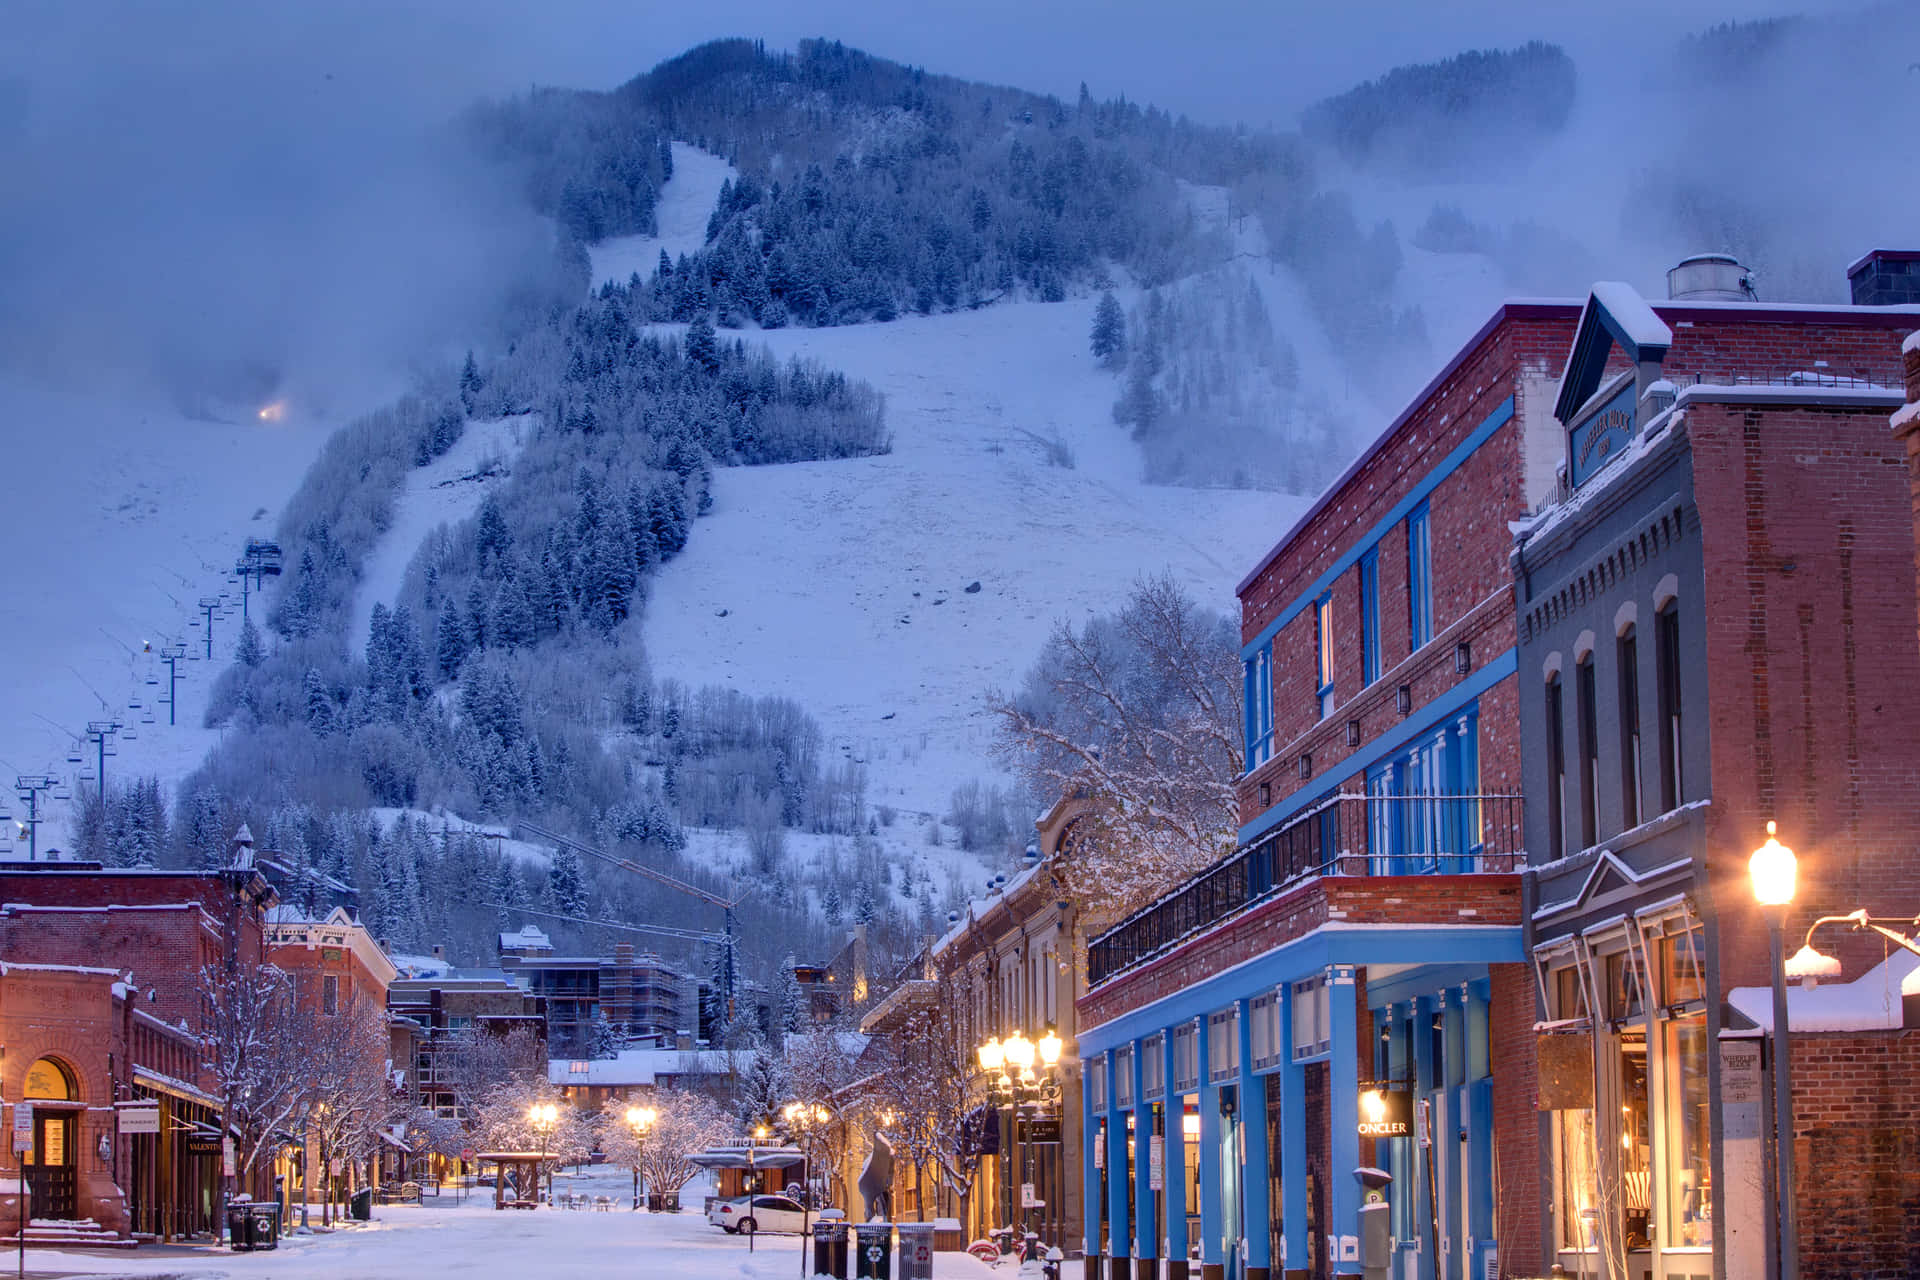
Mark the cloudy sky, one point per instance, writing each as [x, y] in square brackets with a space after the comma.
[188, 177]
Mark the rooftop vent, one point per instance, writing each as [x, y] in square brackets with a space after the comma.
[1710, 277]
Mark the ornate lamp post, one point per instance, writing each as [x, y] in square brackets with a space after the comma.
[1014, 1085]
[639, 1119]
[806, 1122]
[1773, 868]
[544, 1116]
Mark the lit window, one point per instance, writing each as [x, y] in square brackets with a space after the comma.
[1323, 632]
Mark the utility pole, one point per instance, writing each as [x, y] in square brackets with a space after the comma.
[173, 655]
[100, 733]
[29, 786]
[209, 605]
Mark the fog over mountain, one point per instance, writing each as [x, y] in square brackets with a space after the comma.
[229, 198]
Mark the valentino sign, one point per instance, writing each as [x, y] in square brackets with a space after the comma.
[1386, 1111]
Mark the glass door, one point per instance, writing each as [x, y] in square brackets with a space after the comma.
[51, 1177]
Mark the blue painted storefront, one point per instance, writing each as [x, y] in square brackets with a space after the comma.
[1238, 1046]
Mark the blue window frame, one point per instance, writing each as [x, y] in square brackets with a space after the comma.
[1423, 805]
[1259, 707]
[1370, 617]
[1419, 578]
[1323, 647]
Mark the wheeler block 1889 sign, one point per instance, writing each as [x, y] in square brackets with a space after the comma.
[1386, 1110]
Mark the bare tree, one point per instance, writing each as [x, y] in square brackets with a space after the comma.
[921, 1102]
[683, 1123]
[349, 1080]
[1139, 713]
[819, 1072]
[476, 1063]
[252, 1049]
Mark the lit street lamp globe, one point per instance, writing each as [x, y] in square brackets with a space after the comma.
[1773, 868]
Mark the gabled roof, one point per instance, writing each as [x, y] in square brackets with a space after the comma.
[1615, 313]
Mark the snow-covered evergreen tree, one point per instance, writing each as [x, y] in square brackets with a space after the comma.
[1109, 338]
[793, 1001]
[566, 884]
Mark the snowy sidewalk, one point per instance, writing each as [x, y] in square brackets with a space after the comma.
[430, 1242]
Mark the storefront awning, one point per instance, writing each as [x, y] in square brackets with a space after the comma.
[175, 1088]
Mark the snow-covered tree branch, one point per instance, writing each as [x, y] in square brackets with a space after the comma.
[1139, 714]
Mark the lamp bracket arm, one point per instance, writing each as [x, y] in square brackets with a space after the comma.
[1861, 920]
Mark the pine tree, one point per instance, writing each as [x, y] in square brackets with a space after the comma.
[1109, 330]
[793, 1001]
[477, 626]
[508, 895]
[249, 652]
[566, 885]
[470, 383]
[864, 908]
[666, 163]
[319, 703]
[831, 908]
[450, 641]
[702, 343]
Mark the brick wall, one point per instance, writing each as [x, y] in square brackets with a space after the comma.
[1814, 705]
[164, 948]
[1857, 1154]
[1520, 1210]
[1468, 514]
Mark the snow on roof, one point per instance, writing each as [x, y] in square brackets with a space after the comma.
[9, 966]
[1913, 342]
[1870, 1002]
[1624, 303]
[644, 1066]
[530, 938]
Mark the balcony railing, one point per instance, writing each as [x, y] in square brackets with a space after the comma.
[1345, 835]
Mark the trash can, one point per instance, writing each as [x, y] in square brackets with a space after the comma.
[916, 1251]
[873, 1251]
[663, 1202]
[239, 1225]
[360, 1208]
[264, 1225]
[830, 1249]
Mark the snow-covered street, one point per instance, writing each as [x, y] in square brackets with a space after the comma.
[447, 1238]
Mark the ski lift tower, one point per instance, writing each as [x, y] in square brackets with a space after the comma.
[29, 786]
[261, 560]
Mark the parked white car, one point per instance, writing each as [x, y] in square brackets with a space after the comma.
[750, 1214]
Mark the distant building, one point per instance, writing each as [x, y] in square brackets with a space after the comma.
[451, 1009]
[593, 1084]
[637, 994]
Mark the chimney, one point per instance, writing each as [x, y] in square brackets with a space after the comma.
[623, 954]
[1710, 277]
[439, 951]
[1885, 278]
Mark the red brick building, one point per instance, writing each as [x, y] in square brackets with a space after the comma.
[1716, 614]
[1347, 991]
[125, 1132]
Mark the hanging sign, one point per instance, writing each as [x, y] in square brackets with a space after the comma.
[140, 1117]
[1157, 1163]
[227, 1162]
[1421, 1123]
[22, 1127]
[1386, 1110]
[1100, 1149]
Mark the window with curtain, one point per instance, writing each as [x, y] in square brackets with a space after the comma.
[1627, 654]
[1419, 578]
[1667, 674]
[1259, 707]
[1369, 617]
[1323, 645]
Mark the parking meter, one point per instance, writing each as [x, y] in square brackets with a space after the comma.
[1376, 1225]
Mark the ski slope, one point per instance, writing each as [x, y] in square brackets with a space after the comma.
[845, 584]
[121, 516]
[686, 202]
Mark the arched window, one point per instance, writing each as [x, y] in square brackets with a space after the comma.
[49, 1079]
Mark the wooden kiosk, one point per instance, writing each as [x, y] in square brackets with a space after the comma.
[516, 1177]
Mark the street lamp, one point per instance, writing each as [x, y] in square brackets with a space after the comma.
[1773, 868]
[639, 1119]
[544, 1116]
[804, 1121]
[1013, 1084]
